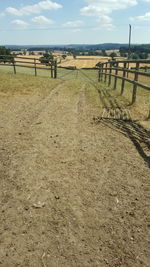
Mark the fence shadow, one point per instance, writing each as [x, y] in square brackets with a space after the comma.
[139, 136]
[107, 100]
[122, 122]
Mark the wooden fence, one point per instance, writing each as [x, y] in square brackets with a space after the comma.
[122, 70]
[28, 62]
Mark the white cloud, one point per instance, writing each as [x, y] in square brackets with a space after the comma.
[104, 19]
[42, 20]
[145, 17]
[13, 11]
[20, 23]
[73, 24]
[105, 22]
[77, 30]
[102, 8]
[107, 26]
[2, 15]
[34, 9]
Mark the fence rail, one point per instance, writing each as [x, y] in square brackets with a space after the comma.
[113, 69]
[34, 63]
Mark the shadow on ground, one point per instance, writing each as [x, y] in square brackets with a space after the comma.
[139, 136]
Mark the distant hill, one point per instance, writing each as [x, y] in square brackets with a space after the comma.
[105, 46]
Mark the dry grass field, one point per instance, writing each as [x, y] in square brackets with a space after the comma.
[30, 59]
[80, 61]
[83, 61]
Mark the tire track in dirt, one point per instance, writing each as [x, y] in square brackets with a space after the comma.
[12, 137]
[73, 202]
[33, 152]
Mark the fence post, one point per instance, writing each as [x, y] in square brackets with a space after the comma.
[35, 67]
[106, 73]
[124, 75]
[102, 73]
[55, 69]
[14, 66]
[116, 73]
[135, 85]
[128, 69]
[99, 75]
[51, 69]
[110, 71]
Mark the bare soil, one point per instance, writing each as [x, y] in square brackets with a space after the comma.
[74, 191]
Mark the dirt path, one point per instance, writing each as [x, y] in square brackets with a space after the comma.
[74, 192]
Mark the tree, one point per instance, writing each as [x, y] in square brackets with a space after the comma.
[47, 58]
[143, 55]
[4, 51]
[104, 54]
[5, 55]
[98, 64]
[134, 56]
[136, 49]
[122, 54]
[31, 53]
[74, 56]
[64, 56]
[139, 55]
[113, 55]
[24, 52]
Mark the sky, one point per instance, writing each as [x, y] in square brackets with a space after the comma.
[50, 22]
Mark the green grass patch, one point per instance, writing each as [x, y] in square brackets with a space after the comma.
[25, 83]
[29, 71]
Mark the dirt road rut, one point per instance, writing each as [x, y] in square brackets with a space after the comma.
[73, 192]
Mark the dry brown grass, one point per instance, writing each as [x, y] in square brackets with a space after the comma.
[25, 84]
[83, 61]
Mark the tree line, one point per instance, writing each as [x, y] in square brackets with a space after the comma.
[136, 52]
[6, 56]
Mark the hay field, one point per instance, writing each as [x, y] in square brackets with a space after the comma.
[30, 59]
[85, 61]
[82, 61]
[25, 61]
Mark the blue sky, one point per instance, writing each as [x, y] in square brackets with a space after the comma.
[73, 21]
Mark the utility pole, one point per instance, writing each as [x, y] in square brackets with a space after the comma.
[129, 51]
